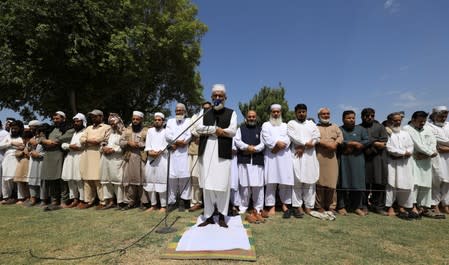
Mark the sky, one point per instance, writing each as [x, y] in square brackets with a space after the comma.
[390, 55]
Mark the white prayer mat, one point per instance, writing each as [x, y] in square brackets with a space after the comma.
[213, 237]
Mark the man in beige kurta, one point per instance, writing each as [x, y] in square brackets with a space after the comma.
[93, 138]
[133, 143]
[331, 137]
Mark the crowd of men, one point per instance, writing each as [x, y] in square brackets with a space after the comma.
[212, 163]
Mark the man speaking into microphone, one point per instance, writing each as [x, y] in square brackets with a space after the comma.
[216, 129]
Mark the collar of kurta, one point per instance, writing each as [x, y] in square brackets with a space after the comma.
[98, 125]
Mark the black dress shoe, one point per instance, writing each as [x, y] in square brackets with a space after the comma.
[221, 221]
[287, 214]
[209, 221]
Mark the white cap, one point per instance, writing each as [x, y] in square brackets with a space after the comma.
[160, 114]
[181, 105]
[219, 87]
[276, 106]
[60, 113]
[138, 113]
[439, 109]
[80, 116]
[34, 123]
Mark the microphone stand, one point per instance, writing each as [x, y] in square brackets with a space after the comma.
[168, 229]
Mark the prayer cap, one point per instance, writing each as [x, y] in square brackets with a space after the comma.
[60, 113]
[138, 113]
[439, 109]
[96, 112]
[160, 114]
[80, 116]
[181, 105]
[219, 87]
[276, 106]
[34, 123]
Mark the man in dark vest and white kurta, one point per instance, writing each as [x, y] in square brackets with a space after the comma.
[250, 161]
[216, 129]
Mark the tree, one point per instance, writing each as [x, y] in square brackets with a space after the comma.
[118, 56]
[262, 101]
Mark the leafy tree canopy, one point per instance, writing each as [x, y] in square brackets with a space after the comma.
[262, 101]
[117, 56]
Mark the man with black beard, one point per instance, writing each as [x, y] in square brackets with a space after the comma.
[375, 161]
[133, 142]
[9, 145]
[52, 161]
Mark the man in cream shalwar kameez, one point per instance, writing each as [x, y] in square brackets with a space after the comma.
[304, 135]
[111, 164]
[217, 127]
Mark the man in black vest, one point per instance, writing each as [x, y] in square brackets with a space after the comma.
[250, 160]
[216, 129]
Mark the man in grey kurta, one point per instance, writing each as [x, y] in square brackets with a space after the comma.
[52, 161]
[352, 165]
[375, 161]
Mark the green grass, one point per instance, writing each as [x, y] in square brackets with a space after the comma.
[348, 240]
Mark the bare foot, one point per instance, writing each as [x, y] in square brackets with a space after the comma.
[359, 212]
[151, 209]
[162, 209]
[342, 211]
[272, 211]
[391, 212]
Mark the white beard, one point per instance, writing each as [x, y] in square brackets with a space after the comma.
[179, 117]
[325, 121]
[220, 106]
[439, 124]
[396, 129]
[276, 122]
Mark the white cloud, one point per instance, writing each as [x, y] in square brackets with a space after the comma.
[391, 6]
[404, 68]
[407, 96]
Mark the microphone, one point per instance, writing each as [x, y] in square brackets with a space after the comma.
[217, 102]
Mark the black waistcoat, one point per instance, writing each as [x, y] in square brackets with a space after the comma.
[222, 119]
[251, 136]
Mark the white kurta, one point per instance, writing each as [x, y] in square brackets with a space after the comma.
[215, 171]
[249, 175]
[71, 166]
[234, 168]
[424, 142]
[111, 165]
[278, 167]
[156, 173]
[306, 168]
[400, 171]
[179, 158]
[440, 163]
[10, 161]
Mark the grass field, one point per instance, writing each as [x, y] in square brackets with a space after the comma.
[348, 240]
